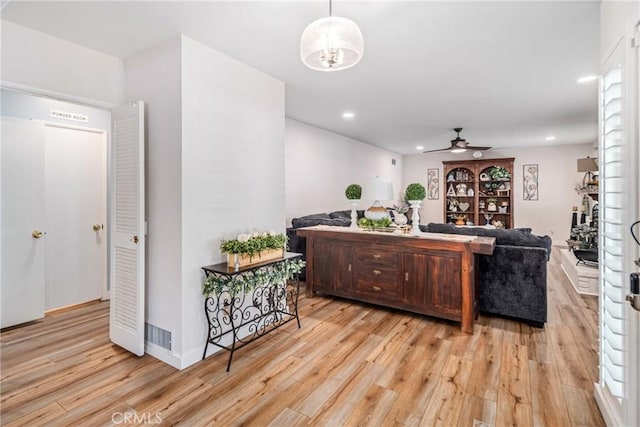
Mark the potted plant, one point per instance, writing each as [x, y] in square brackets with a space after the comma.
[400, 210]
[415, 194]
[491, 205]
[265, 246]
[353, 193]
[499, 173]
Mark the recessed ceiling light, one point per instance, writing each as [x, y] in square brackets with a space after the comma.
[348, 115]
[419, 147]
[550, 138]
[587, 79]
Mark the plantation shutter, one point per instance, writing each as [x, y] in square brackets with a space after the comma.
[614, 182]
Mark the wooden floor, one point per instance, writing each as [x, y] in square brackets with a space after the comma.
[350, 364]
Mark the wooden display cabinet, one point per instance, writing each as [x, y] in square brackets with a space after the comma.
[470, 190]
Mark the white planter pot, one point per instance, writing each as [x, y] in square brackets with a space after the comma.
[400, 219]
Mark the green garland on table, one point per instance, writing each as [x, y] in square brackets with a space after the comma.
[247, 282]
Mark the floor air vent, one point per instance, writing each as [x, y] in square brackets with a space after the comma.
[157, 336]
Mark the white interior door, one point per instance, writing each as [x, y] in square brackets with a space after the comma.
[22, 277]
[75, 202]
[127, 248]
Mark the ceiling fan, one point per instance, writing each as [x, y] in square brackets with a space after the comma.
[459, 145]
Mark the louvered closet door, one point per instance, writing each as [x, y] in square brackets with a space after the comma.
[616, 391]
[127, 228]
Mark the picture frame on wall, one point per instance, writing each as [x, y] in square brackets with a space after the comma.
[530, 182]
[433, 184]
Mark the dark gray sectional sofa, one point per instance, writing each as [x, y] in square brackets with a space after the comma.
[513, 281]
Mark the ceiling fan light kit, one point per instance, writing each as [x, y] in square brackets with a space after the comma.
[331, 44]
[460, 145]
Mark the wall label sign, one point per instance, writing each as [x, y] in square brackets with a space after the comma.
[64, 115]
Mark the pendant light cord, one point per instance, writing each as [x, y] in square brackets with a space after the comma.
[329, 7]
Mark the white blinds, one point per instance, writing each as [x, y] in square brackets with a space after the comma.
[612, 217]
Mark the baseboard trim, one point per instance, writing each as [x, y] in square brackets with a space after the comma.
[163, 355]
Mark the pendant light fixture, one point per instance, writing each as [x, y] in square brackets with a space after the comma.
[331, 44]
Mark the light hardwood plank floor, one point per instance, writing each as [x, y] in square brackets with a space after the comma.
[351, 364]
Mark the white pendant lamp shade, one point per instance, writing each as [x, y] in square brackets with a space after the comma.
[331, 44]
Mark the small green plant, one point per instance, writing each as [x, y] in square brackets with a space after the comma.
[353, 192]
[415, 191]
[252, 244]
[498, 173]
[374, 223]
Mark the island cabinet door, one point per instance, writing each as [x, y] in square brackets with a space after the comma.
[332, 267]
[432, 283]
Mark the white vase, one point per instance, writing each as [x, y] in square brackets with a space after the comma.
[415, 217]
[400, 218]
[354, 213]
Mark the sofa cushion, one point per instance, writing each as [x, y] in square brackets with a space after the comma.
[346, 214]
[316, 216]
[523, 229]
[309, 222]
[503, 236]
[340, 214]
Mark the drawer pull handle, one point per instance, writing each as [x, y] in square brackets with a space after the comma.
[376, 272]
[377, 288]
[376, 256]
[349, 268]
[406, 277]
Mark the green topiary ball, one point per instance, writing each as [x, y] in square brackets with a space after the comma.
[353, 192]
[415, 191]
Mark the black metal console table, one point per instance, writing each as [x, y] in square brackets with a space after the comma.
[248, 314]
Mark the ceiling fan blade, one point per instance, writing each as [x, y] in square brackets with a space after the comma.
[434, 151]
[459, 144]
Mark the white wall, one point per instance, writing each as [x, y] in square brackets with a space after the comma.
[615, 17]
[232, 167]
[215, 168]
[37, 60]
[321, 164]
[154, 76]
[550, 215]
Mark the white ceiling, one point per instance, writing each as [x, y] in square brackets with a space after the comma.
[505, 71]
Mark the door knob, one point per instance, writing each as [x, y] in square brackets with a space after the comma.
[36, 234]
[98, 227]
[634, 285]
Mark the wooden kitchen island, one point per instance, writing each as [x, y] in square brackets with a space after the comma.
[430, 273]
